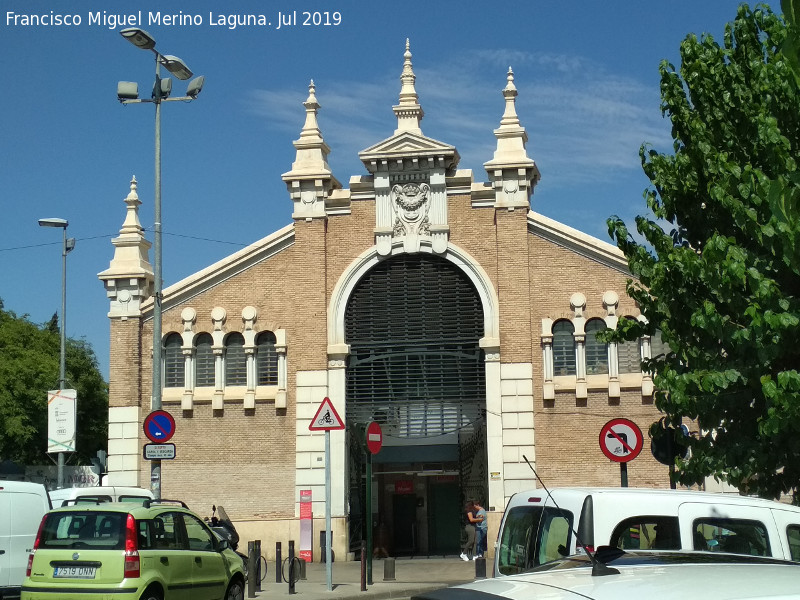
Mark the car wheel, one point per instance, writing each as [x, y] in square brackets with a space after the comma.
[151, 594]
[235, 590]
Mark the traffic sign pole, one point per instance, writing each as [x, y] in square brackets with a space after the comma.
[369, 518]
[328, 541]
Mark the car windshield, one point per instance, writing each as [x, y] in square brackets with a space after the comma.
[533, 535]
[83, 529]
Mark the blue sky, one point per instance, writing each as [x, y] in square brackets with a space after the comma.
[586, 71]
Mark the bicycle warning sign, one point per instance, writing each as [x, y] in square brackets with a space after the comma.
[326, 418]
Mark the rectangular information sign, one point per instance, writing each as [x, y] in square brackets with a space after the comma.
[158, 451]
[306, 526]
[61, 405]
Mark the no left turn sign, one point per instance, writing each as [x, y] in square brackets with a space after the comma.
[621, 440]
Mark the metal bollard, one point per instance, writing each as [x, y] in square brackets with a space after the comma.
[291, 567]
[302, 564]
[257, 549]
[363, 565]
[480, 568]
[251, 570]
[388, 569]
[277, 562]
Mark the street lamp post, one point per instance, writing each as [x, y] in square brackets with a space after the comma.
[69, 244]
[128, 93]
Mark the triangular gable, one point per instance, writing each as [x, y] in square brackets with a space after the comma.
[407, 144]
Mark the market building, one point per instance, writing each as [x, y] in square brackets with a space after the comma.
[419, 297]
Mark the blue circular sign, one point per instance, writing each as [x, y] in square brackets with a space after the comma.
[159, 426]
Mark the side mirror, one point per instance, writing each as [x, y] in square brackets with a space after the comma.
[223, 545]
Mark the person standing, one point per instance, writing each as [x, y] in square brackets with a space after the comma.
[481, 530]
[468, 544]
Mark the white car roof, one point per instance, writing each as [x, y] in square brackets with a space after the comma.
[743, 581]
[671, 496]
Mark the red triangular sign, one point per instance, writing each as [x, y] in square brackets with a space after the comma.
[326, 418]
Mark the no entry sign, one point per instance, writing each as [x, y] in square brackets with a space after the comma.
[621, 440]
[374, 437]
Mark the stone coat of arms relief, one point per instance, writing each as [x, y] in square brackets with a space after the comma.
[411, 203]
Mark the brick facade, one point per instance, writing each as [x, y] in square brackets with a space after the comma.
[254, 458]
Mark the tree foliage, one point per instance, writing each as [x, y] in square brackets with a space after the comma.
[719, 274]
[29, 367]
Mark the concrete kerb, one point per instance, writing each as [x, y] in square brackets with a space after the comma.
[412, 576]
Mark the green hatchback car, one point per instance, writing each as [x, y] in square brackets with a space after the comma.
[157, 551]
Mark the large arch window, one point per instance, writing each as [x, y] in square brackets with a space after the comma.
[174, 365]
[596, 350]
[235, 360]
[266, 359]
[204, 361]
[563, 348]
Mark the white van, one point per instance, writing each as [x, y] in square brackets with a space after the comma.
[99, 494]
[22, 506]
[537, 528]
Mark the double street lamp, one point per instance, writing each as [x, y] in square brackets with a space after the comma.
[69, 244]
[128, 93]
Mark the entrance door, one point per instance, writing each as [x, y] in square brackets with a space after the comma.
[444, 519]
[404, 519]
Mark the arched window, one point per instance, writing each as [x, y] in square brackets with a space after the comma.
[596, 351]
[629, 355]
[204, 361]
[563, 348]
[174, 365]
[657, 345]
[235, 360]
[266, 359]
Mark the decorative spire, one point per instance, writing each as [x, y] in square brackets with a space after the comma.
[409, 113]
[510, 94]
[511, 136]
[310, 180]
[129, 277]
[311, 128]
[132, 225]
[512, 172]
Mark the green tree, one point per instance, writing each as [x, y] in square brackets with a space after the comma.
[29, 367]
[719, 268]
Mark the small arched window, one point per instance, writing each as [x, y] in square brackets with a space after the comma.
[596, 350]
[204, 361]
[563, 348]
[657, 345]
[266, 359]
[174, 365]
[235, 360]
[629, 354]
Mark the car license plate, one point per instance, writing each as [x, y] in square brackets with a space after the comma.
[74, 572]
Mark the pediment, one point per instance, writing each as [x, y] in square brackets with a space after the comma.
[409, 145]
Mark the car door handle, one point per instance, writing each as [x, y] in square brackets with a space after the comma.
[164, 560]
[2, 551]
[198, 560]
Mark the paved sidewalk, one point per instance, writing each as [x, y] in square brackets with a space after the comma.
[412, 576]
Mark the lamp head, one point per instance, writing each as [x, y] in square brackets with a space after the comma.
[127, 90]
[139, 38]
[53, 223]
[166, 87]
[195, 86]
[176, 66]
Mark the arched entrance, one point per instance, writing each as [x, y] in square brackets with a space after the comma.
[413, 325]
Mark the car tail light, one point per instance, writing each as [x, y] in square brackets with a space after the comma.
[131, 549]
[35, 546]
